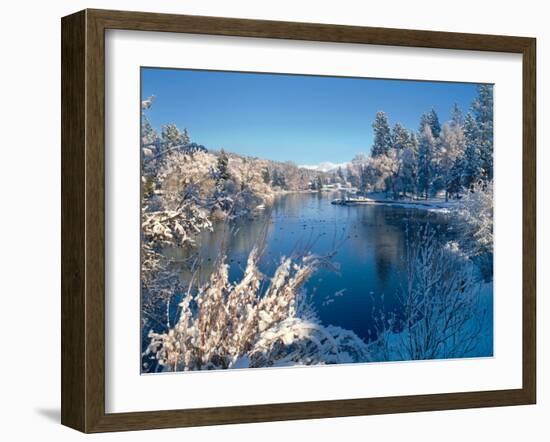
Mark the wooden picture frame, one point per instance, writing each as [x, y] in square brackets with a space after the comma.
[83, 219]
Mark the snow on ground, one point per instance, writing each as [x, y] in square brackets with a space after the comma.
[432, 204]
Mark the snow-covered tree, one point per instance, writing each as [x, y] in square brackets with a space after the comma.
[248, 187]
[379, 172]
[382, 135]
[450, 149]
[471, 165]
[426, 152]
[149, 135]
[390, 165]
[482, 109]
[432, 120]
[357, 170]
[353, 175]
[407, 178]
[454, 182]
[400, 137]
[476, 209]
[223, 169]
[443, 316]
[147, 103]
[171, 136]
[457, 117]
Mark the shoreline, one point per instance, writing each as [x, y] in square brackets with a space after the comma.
[429, 204]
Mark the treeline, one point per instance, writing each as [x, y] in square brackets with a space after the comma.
[450, 157]
[177, 172]
[185, 188]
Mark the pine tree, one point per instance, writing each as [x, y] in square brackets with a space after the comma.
[424, 120]
[451, 148]
[223, 170]
[432, 120]
[472, 168]
[482, 108]
[408, 171]
[457, 117]
[148, 135]
[454, 182]
[382, 135]
[400, 137]
[426, 149]
[413, 142]
[171, 136]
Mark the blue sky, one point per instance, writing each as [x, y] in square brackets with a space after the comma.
[305, 119]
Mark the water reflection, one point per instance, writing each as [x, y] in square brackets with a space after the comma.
[369, 242]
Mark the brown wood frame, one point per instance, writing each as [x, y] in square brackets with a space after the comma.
[83, 217]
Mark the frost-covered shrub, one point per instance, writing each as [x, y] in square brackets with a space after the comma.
[476, 226]
[476, 209]
[442, 311]
[234, 325]
[175, 208]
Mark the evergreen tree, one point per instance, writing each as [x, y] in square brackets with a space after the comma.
[382, 135]
[400, 137]
[431, 119]
[482, 109]
[426, 149]
[408, 170]
[454, 183]
[148, 135]
[171, 136]
[413, 139]
[223, 163]
[423, 122]
[451, 147]
[457, 117]
[472, 168]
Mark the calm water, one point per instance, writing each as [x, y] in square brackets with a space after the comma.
[368, 241]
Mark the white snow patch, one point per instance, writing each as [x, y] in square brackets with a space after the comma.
[326, 166]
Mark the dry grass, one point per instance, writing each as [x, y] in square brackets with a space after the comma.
[233, 325]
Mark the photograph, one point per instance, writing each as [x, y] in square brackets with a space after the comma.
[288, 222]
[295, 220]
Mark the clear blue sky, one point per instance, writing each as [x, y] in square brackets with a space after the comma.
[305, 119]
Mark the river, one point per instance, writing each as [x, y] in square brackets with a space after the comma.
[367, 242]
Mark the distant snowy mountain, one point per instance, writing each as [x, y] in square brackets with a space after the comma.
[327, 166]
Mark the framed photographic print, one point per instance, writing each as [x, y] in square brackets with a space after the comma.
[270, 220]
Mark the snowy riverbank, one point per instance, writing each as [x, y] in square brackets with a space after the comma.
[431, 204]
